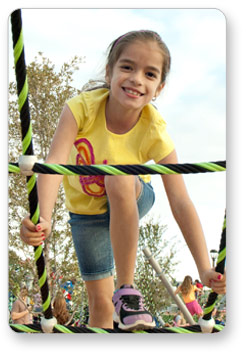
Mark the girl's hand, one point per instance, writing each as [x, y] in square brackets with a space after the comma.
[215, 280]
[33, 234]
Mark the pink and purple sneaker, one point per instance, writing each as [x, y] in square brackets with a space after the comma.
[130, 313]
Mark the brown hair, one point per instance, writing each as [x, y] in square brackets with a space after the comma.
[60, 309]
[186, 286]
[119, 44]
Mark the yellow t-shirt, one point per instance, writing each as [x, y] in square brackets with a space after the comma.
[190, 297]
[95, 144]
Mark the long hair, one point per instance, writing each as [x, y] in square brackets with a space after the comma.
[186, 285]
[60, 309]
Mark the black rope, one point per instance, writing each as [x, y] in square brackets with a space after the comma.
[37, 328]
[220, 267]
[127, 169]
[133, 169]
[21, 80]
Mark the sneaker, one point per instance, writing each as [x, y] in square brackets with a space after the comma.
[130, 313]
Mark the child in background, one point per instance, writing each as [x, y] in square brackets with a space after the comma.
[188, 290]
[117, 124]
[60, 309]
[199, 293]
[179, 320]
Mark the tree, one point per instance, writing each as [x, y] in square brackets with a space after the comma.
[48, 91]
[164, 251]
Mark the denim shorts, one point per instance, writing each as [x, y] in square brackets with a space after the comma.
[92, 239]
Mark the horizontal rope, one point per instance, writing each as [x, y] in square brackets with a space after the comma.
[36, 328]
[131, 169]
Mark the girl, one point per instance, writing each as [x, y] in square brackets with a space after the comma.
[179, 320]
[60, 309]
[188, 291]
[116, 124]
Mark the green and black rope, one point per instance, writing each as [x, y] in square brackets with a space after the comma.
[36, 328]
[131, 169]
[220, 267]
[26, 130]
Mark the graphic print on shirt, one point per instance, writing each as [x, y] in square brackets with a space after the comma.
[92, 185]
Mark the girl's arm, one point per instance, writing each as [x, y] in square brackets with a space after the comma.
[177, 290]
[198, 289]
[48, 185]
[186, 216]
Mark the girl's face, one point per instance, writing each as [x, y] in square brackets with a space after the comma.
[136, 76]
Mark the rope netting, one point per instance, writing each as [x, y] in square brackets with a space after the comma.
[44, 168]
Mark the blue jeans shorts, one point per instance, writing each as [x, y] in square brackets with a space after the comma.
[92, 239]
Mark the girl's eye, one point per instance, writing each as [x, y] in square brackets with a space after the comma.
[126, 67]
[150, 74]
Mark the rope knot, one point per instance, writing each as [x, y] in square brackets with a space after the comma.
[48, 324]
[206, 325]
[26, 163]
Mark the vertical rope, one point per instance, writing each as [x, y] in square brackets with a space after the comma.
[26, 131]
[220, 266]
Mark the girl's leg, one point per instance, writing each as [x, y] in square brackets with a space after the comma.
[101, 308]
[122, 192]
[95, 256]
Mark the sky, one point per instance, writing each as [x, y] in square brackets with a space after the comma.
[193, 102]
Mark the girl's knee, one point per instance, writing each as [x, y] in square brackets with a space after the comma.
[121, 187]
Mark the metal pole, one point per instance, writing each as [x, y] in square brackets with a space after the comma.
[168, 286]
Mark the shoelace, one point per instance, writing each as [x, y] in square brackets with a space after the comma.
[132, 301]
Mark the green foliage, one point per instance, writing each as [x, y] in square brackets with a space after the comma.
[152, 235]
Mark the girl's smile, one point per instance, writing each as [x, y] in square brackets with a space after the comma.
[131, 92]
